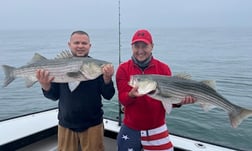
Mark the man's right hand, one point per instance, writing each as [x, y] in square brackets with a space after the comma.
[44, 79]
[134, 93]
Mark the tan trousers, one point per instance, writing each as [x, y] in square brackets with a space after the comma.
[89, 140]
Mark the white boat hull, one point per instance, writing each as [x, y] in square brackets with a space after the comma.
[16, 131]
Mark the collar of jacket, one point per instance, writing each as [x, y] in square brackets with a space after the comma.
[142, 64]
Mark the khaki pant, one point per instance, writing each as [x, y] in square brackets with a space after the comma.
[89, 140]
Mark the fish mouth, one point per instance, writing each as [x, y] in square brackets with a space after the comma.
[152, 92]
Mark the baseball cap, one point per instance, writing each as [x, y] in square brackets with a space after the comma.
[142, 35]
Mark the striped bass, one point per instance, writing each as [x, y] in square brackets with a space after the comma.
[171, 90]
[65, 69]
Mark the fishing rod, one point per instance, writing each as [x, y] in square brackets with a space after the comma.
[119, 57]
[119, 32]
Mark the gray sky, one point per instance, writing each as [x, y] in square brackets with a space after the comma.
[36, 14]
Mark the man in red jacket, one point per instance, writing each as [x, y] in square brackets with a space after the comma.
[144, 121]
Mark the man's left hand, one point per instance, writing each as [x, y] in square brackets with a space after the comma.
[188, 100]
[108, 71]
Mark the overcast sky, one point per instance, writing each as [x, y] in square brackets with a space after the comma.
[29, 14]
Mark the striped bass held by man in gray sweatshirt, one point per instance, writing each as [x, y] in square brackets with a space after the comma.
[171, 90]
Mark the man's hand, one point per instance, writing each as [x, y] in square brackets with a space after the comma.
[108, 71]
[44, 79]
[188, 100]
[134, 93]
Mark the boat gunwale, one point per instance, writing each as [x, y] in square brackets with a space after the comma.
[111, 126]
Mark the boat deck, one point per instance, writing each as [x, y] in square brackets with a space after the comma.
[50, 144]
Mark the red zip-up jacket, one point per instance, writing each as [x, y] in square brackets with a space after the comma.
[140, 113]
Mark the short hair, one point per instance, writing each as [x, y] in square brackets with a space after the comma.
[79, 32]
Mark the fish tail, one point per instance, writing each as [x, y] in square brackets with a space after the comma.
[9, 76]
[237, 117]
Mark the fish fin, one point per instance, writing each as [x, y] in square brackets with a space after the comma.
[207, 106]
[30, 81]
[237, 117]
[210, 83]
[73, 85]
[167, 105]
[9, 76]
[165, 100]
[183, 76]
[64, 54]
[37, 57]
[155, 94]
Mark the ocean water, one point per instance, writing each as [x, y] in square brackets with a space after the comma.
[220, 54]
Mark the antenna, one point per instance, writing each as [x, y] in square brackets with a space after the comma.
[119, 32]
